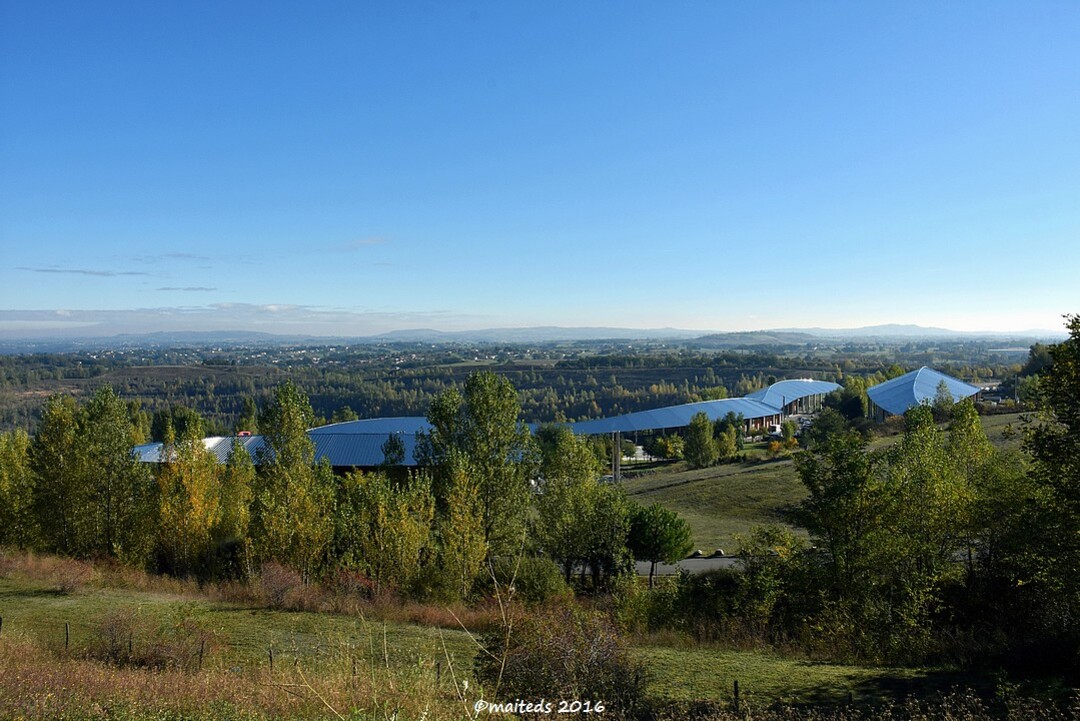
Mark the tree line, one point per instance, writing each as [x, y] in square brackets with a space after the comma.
[554, 383]
[487, 490]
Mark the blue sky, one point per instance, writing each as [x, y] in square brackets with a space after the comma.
[352, 168]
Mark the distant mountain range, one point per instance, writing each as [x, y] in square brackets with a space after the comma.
[541, 334]
[537, 334]
[897, 330]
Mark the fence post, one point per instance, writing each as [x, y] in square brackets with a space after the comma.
[735, 687]
[67, 635]
[202, 648]
[271, 658]
[1, 625]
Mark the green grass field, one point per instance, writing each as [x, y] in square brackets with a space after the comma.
[323, 646]
[723, 501]
[708, 674]
[243, 636]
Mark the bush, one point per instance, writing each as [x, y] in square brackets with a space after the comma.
[704, 603]
[534, 580]
[639, 609]
[562, 653]
[433, 585]
[124, 638]
[279, 585]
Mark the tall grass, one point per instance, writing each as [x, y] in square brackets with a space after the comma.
[105, 681]
[140, 658]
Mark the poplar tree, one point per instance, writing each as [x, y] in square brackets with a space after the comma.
[292, 519]
[17, 525]
[189, 502]
[480, 427]
[700, 450]
[569, 471]
[460, 528]
[92, 497]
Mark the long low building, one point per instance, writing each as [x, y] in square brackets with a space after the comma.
[765, 407]
[360, 444]
[348, 445]
[795, 395]
[755, 414]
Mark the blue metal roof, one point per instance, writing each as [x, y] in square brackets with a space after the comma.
[403, 424]
[781, 393]
[342, 444]
[360, 449]
[675, 416]
[918, 386]
[219, 446]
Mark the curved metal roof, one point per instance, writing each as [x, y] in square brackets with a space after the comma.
[349, 444]
[360, 449]
[401, 424]
[675, 416]
[781, 393]
[219, 446]
[918, 386]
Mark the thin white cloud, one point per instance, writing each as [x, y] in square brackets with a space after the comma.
[158, 258]
[353, 246]
[82, 271]
[280, 318]
[189, 289]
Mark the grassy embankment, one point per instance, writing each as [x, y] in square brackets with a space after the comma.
[374, 661]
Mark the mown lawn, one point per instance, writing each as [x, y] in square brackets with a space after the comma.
[708, 674]
[723, 501]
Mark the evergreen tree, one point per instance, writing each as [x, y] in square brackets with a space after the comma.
[658, 534]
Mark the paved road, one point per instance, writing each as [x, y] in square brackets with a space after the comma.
[693, 565]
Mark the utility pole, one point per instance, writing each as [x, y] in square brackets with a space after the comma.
[616, 456]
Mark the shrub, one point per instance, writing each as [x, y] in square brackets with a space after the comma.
[562, 653]
[704, 603]
[278, 585]
[639, 609]
[433, 585]
[124, 638]
[353, 583]
[534, 580]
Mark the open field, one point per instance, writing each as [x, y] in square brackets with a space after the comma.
[725, 500]
[703, 673]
